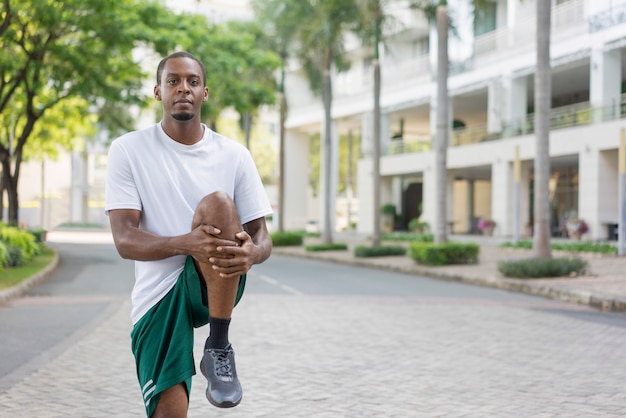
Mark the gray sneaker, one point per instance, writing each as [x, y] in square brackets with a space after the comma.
[218, 366]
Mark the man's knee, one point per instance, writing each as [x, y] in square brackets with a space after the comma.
[218, 209]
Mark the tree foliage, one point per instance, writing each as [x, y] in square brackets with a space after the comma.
[65, 60]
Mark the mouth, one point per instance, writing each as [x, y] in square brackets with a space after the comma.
[182, 102]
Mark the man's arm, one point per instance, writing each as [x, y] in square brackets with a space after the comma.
[136, 244]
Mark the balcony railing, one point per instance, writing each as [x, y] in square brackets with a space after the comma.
[564, 16]
[578, 114]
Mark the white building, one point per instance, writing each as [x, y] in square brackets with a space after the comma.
[491, 87]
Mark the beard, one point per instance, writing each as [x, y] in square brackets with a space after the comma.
[183, 116]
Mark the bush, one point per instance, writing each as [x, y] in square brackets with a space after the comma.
[327, 247]
[15, 257]
[444, 254]
[407, 236]
[538, 268]
[580, 246]
[39, 234]
[20, 238]
[382, 251]
[586, 246]
[283, 239]
[418, 226]
[3, 254]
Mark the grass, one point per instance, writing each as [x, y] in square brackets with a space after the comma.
[15, 275]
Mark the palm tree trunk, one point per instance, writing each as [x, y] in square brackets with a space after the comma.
[441, 150]
[543, 94]
[376, 154]
[281, 163]
[327, 237]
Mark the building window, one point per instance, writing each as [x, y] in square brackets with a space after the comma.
[485, 19]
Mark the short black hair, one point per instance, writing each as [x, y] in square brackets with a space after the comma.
[179, 54]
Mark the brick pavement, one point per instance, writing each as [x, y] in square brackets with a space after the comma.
[365, 357]
[369, 357]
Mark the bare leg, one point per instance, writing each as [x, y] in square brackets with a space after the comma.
[219, 210]
[218, 361]
[173, 403]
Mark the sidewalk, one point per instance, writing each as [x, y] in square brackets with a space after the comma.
[603, 287]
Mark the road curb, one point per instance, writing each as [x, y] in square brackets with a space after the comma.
[583, 297]
[18, 290]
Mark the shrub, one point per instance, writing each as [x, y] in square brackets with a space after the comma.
[327, 247]
[585, 246]
[580, 246]
[382, 251]
[20, 238]
[15, 256]
[283, 239]
[537, 268]
[444, 254]
[418, 226]
[3, 254]
[39, 234]
[407, 236]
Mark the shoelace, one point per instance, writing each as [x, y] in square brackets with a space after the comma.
[222, 365]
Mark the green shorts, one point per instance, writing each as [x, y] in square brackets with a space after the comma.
[162, 340]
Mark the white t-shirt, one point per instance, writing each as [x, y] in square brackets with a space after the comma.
[165, 180]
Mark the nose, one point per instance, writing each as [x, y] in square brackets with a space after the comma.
[183, 86]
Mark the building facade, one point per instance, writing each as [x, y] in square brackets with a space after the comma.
[491, 90]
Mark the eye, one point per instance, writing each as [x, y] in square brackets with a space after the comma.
[171, 81]
[194, 82]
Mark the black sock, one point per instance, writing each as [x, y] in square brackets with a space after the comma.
[218, 335]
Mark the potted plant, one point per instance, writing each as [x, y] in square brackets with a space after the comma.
[576, 227]
[418, 226]
[486, 226]
[389, 210]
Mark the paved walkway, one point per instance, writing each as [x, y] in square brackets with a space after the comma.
[603, 287]
[364, 356]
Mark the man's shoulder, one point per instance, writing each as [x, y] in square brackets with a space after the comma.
[227, 142]
[149, 132]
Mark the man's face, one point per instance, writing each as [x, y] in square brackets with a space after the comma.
[182, 89]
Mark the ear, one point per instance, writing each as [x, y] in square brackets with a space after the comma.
[157, 93]
[206, 94]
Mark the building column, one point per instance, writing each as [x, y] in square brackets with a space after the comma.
[365, 180]
[514, 105]
[502, 198]
[297, 191]
[494, 107]
[79, 188]
[605, 83]
[597, 190]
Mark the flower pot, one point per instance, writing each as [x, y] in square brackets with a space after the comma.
[574, 235]
[488, 231]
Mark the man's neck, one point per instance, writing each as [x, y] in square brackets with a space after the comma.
[187, 133]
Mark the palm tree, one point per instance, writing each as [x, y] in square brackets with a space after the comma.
[543, 93]
[321, 50]
[439, 14]
[373, 21]
[280, 20]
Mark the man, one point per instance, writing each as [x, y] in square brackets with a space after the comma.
[189, 207]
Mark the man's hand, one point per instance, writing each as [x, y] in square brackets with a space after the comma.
[231, 261]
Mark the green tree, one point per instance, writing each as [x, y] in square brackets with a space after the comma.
[256, 80]
[438, 12]
[321, 50]
[543, 94]
[56, 51]
[280, 21]
[374, 19]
